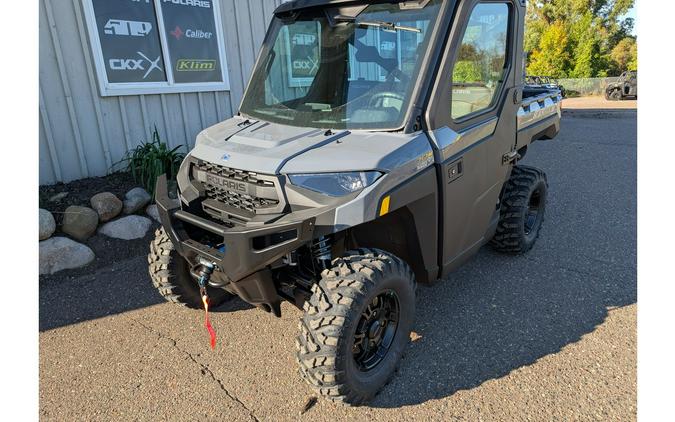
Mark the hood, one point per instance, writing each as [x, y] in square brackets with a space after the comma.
[271, 148]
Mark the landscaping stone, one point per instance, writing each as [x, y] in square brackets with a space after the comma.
[127, 228]
[80, 222]
[58, 197]
[61, 253]
[135, 200]
[153, 212]
[47, 224]
[107, 205]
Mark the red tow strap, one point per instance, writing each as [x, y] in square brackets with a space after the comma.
[207, 322]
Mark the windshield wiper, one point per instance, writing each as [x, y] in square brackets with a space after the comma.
[387, 26]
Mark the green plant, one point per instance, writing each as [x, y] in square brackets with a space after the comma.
[149, 160]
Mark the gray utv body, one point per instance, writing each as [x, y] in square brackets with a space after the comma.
[415, 198]
[439, 182]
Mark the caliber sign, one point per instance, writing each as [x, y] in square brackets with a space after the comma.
[191, 36]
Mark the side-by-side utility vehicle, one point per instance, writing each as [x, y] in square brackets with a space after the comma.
[376, 147]
[624, 87]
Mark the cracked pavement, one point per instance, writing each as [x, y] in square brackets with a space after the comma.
[546, 336]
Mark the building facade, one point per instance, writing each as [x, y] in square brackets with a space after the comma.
[112, 70]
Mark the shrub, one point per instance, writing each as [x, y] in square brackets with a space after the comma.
[151, 159]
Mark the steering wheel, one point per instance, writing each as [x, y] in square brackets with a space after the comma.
[377, 99]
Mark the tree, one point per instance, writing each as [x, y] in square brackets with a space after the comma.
[466, 72]
[624, 54]
[586, 46]
[552, 57]
[593, 28]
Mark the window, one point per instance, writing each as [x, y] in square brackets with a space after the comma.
[157, 46]
[480, 66]
[356, 73]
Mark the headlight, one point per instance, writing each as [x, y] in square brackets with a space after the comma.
[335, 184]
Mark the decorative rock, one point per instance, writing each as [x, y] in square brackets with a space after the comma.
[47, 224]
[107, 205]
[80, 222]
[153, 212]
[58, 197]
[127, 228]
[61, 253]
[136, 199]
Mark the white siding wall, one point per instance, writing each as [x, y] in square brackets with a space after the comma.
[82, 134]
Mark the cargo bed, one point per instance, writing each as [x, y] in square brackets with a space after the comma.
[539, 115]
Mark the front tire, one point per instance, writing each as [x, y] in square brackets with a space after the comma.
[356, 325]
[523, 205]
[614, 95]
[170, 274]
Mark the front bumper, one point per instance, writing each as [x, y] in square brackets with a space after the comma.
[243, 256]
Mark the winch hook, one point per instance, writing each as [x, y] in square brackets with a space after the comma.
[205, 274]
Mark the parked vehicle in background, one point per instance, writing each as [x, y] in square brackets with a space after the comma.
[376, 147]
[625, 87]
[546, 82]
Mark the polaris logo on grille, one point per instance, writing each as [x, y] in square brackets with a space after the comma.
[223, 183]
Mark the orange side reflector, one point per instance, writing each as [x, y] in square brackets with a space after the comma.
[384, 209]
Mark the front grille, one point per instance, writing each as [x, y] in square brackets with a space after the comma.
[241, 175]
[240, 200]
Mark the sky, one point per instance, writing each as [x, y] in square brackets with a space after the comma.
[632, 13]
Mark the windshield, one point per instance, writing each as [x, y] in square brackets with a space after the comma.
[342, 69]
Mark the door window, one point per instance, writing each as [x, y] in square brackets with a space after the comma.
[480, 66]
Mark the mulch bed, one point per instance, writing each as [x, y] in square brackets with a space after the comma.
[81, 191]
[107, 250]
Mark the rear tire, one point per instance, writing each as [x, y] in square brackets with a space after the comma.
[170, 274]
[356, 325]
[523, 206]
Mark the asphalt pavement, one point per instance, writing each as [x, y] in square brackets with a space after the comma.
[546, 336]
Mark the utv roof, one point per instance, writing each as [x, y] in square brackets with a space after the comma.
[303, 4]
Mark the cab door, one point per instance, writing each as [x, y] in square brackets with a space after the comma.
[472, 122]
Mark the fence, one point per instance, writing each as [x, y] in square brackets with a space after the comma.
[585, 86]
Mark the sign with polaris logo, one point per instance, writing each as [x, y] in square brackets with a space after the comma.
[223, 182]
[194, 3]
[130, 42]
[192, 38]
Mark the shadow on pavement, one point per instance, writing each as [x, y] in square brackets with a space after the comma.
[494, 316]
[112, 290]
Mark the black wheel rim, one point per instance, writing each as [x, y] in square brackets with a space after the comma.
[376, 330]
[533, 214]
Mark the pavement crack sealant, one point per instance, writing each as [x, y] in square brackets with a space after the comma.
[205, 370]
